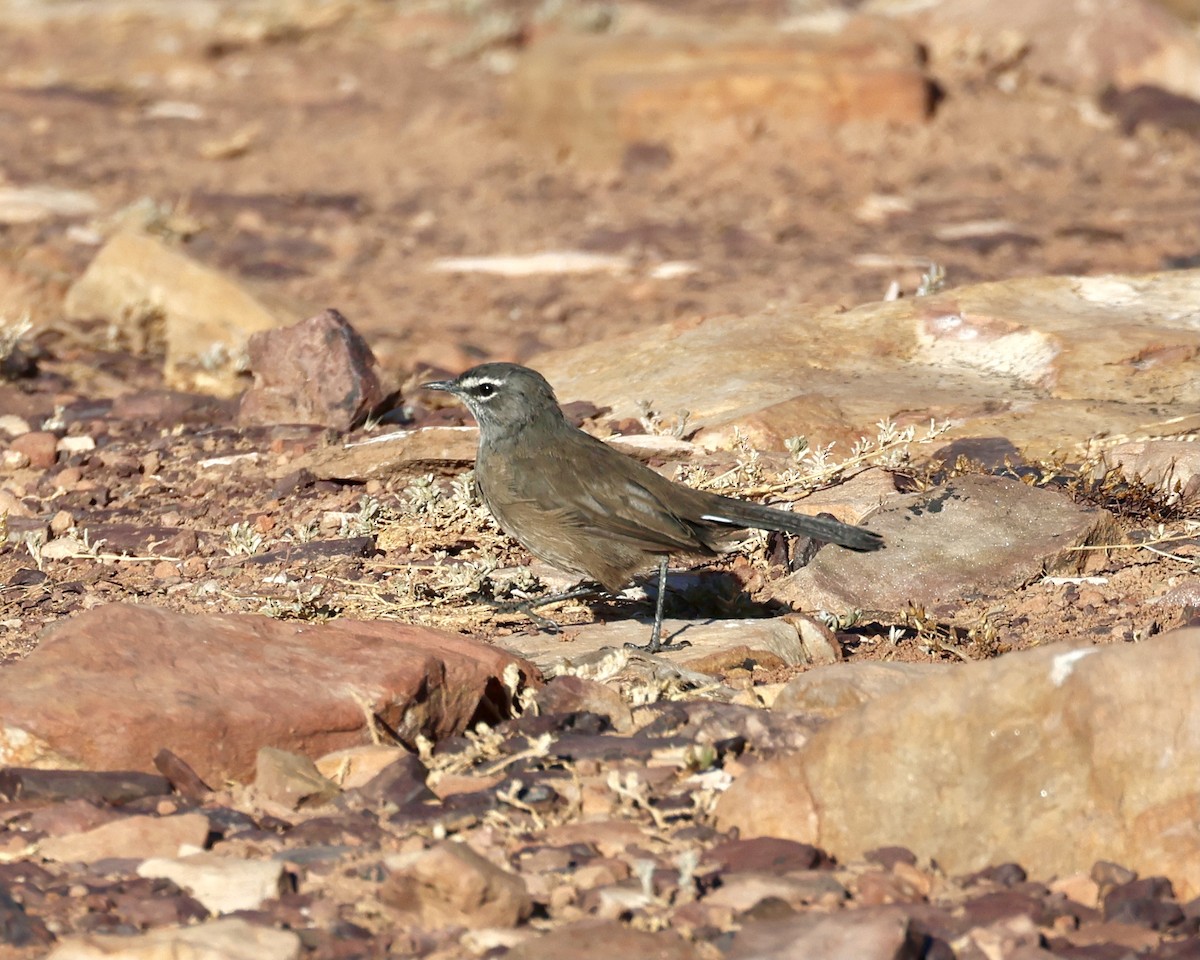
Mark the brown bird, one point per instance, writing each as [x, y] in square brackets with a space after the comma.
[585, 508]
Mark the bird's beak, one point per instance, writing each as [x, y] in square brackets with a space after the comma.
[447, 386]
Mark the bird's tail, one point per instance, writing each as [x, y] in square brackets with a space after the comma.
[745, 513]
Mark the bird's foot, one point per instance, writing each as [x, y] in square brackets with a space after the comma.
[657, 646]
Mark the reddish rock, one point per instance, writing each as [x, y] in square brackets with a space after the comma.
[40, 446]
[595, 97]
[135, 540]
[317, 371]
[110, 688]
[452, 885]
[601, 940]
[570, 694]
[130, 837]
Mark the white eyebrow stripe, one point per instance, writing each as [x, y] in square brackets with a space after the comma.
[479, 382]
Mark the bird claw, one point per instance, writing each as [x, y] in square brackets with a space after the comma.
[659, 647]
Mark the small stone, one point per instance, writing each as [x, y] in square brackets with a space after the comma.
[40, 446]
[13, 426]
[319, 371]
[66, 478]
[164, 570]
[69, 445]
[603, 940]
[194, 567]
[571, 694]
[354, 767]
[136, 837]
[222, 884]
[291, 779]
[11, 460]
[452, 885]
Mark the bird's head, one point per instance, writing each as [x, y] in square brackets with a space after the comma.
[503, 397]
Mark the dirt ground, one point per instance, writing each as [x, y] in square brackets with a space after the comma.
[328, 158]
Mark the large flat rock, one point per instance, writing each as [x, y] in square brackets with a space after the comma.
[110, 688]
[1048, 362]
[1053, 758]
[974, 535]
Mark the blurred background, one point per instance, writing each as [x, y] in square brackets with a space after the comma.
[489, 179]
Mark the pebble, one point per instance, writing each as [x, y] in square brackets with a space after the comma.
[13, 426]
[13, 460]
[71, 445]
[40, 446]
[61, 522]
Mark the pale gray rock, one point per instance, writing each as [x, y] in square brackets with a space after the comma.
[33, 204]
[1015, 358]
[1053, 758]
[222, 884]
[975, 535]
[227, 939]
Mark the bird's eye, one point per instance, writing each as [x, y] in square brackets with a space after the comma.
[485, 389]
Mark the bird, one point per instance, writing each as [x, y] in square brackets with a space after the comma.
[587, 509]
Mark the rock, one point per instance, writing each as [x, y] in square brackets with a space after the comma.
[1016, 358]
[1083, 45]
[31, 204]
[112, 686]
[135, 540]
[1145, 105]
[975, 535]
[772, 638]
[881, 933]
[318, 371]
[183, 779]
[742, 892]
[231, 939]
[602, 940]
[452, 885]
[403, 451]
[109, 787]
[401, 782]
[765, 855]
[831, 690]
[1050, 758]
[1170, 465]
[13, 426]
[291, 780]
[136, 837]
[354, 767]
[18, 929]
[40, 446]
[569, 694]
[136, 282]
[222, 884]
[594, 97]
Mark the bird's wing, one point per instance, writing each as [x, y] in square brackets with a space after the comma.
[621, 505]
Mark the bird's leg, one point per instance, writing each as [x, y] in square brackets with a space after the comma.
[528, 606]
[656, 645]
